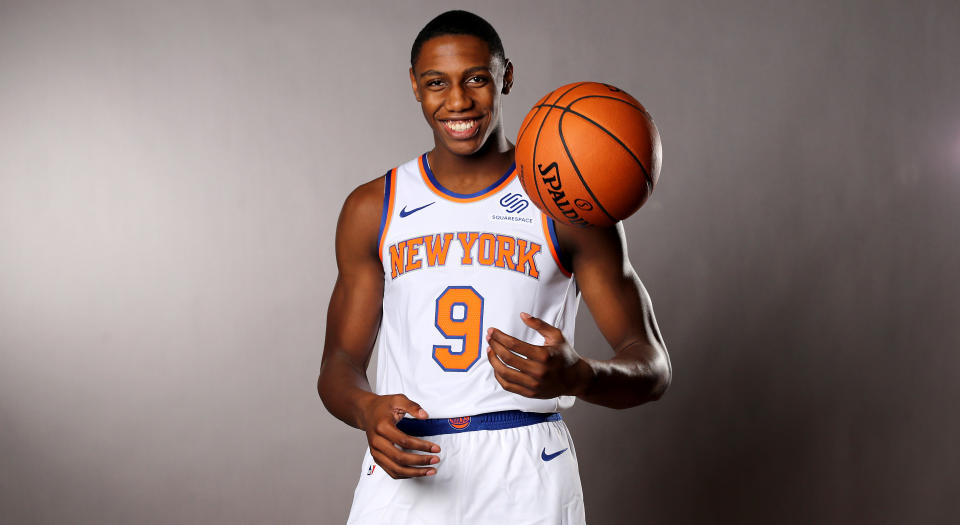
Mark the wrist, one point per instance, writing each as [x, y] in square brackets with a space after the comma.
[584, 374]
[363, 402]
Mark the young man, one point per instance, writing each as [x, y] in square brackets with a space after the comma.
[472, 293]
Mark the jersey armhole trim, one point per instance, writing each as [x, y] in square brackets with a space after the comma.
[389, 195]
[550, 233]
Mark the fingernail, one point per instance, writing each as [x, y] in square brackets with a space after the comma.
[525, 315]
[435, 449]
[422, 413]
[431, 472]
[434, 461]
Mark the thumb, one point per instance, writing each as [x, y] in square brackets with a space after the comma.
[550, 333]
[403, 405]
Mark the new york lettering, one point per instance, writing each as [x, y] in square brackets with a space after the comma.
[475, 248]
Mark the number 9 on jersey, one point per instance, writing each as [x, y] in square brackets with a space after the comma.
[459, 316]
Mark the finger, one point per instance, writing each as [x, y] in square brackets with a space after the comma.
[513, 376]
[528, 366]
[397, 471]
[501, 372]
[403, 405]
[405, 458]
[515, 345]
[400, 457]
[551, 334]
[404, 440]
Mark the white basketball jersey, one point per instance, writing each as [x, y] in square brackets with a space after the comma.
[455, 265]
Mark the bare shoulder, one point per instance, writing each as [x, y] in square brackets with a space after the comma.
[365, 200]
[580, 243]
[358, 228]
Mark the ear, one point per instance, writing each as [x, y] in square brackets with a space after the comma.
[507, 77]
[414, 85]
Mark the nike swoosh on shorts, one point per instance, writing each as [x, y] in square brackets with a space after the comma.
[547, 457]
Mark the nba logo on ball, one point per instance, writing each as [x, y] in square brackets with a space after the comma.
[588, 154]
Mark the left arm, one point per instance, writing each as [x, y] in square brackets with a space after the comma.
[640, 369]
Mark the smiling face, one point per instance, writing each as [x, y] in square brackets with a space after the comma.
[459, 85]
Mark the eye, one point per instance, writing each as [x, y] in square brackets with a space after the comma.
[478, 80]
[434, 83]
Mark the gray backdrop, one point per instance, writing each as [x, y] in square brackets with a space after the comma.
[170, 177]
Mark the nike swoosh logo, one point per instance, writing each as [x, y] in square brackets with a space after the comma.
[547, 457]
[404, 212]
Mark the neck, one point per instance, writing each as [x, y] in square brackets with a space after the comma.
[488, 163]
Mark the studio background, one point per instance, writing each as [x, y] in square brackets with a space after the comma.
[171, 175]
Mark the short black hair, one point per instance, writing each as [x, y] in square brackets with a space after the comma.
[459, 23]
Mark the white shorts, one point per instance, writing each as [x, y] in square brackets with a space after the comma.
[522, 475]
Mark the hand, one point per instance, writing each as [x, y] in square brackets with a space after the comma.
[551, 370]
[380, 416]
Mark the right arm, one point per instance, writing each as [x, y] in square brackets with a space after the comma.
[353, 320]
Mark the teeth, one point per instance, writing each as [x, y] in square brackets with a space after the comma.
[460, 125]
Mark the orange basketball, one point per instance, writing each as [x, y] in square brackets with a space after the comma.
[588, 154]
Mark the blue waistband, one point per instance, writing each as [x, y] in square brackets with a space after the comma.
[490, 421]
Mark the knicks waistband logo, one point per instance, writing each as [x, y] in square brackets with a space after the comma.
[514, 203]
[459, 423]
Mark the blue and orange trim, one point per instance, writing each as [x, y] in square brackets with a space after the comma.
[550, 233]
[431, 181]
[389, 196]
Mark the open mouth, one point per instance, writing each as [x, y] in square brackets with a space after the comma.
[461, 128]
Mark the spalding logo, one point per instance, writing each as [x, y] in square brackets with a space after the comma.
[459, 423]
[555, 188]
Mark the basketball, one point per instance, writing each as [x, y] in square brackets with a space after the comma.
[588, 154]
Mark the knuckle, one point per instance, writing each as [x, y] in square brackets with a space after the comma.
[400, 400]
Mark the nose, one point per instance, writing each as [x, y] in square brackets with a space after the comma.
[458, 99]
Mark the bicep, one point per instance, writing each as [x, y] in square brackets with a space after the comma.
[353, 316]
[618, 301]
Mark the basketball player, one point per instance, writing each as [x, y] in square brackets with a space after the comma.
[474, 294]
